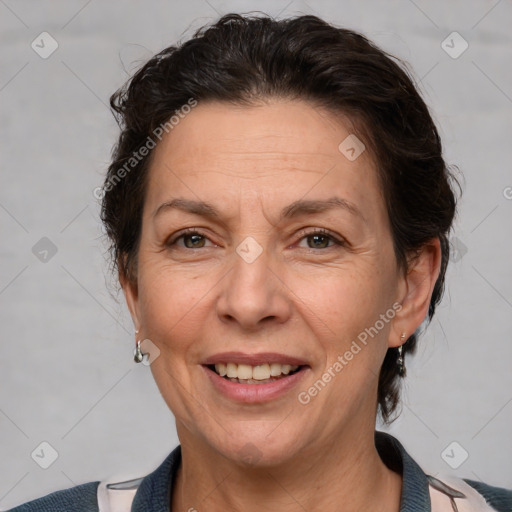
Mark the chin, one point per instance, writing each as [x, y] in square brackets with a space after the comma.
[258, 445]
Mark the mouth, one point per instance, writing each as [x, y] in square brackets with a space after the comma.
[255, 378]
[258, 374]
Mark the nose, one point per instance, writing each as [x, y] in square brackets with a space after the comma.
[254, 294]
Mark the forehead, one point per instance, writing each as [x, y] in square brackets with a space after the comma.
[279, 151]
[280, 128]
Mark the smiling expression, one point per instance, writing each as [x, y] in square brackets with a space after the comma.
[260, 236]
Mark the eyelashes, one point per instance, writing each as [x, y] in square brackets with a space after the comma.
[323, 233]
[191, 233]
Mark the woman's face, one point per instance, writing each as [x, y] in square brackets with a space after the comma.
[255, 278]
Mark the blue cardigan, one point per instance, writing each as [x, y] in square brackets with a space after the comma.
[154, 492]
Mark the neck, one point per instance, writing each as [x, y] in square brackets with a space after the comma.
[348, 474]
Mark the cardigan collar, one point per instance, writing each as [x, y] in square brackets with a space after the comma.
[154, 492]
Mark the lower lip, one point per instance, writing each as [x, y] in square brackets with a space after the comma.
[252, 393]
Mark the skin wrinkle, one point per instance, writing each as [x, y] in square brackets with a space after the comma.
[293, 211]
[194, 303]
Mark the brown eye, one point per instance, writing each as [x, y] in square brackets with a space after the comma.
[192, 239]
[323, 239]
[320, 239]
[195, 239]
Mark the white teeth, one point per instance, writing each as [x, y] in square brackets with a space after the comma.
[275, 369]
[244, 371]
[258, 372]
[232, 370]
[261, 372]
[221, 369]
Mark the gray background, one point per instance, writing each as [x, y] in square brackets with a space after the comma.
[67, 374]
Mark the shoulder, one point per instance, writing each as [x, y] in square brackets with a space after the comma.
[151, 492]
[82, 497]
[472, 495]
[498, 497]
[421, 491]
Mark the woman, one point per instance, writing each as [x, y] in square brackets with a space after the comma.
[279, 211]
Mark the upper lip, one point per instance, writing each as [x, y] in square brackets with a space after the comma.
[253, 359]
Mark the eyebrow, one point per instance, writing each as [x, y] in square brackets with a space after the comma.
[295, 209]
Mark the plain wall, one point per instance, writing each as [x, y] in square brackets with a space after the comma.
[67, 373]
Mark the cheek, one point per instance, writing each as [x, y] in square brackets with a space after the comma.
[346, 319]
[342, 298]
[170, 300]
[327, 300]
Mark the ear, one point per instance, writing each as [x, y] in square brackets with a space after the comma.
[415, 291]
[130, 290]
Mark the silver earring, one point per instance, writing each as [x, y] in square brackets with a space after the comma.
[400, 360]
[138, 356]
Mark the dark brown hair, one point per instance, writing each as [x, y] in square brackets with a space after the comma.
[246, 59]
